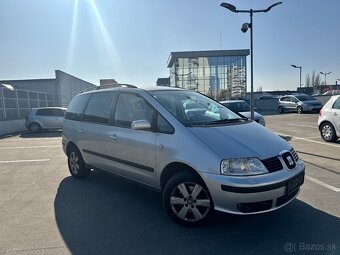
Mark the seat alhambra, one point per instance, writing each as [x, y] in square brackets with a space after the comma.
[201, 155]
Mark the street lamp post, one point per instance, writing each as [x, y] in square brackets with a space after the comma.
[325, 74]
[244, 29]
[300, 67]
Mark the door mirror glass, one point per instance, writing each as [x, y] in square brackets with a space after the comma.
[140, 125]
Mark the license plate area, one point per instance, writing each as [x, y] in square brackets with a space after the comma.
[295, 183]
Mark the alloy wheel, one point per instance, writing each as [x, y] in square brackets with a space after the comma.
[190, 202]
[74, 162]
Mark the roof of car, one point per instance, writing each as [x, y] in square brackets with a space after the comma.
[133, 87]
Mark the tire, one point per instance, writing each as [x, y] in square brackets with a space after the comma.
[299, 109]
[76, 164]
[280, 109]
[34, 127]
[327, 132]
[187, 200]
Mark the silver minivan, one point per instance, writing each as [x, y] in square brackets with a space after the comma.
[201, 155]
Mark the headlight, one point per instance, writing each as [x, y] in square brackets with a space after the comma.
[262, 122]
[242, 166]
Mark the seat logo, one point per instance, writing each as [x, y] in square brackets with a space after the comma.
[290, 160]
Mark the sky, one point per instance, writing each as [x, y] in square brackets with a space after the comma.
[131, 40]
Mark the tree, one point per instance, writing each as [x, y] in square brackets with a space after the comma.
[308, 82]
[317, 81]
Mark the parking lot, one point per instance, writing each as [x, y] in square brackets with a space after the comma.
[45, 211]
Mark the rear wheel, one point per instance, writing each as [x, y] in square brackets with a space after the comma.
[34, 127]
[327, 132]
[187, 200]
[76, 164]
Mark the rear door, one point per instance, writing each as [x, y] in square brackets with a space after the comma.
[336, 115]
[59, 118]
[45, 117]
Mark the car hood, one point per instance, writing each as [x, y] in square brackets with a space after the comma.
[257, 116]
[241, 140]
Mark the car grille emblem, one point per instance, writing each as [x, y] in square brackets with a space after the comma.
[288, 159]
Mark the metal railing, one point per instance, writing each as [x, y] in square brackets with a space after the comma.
[16, 104]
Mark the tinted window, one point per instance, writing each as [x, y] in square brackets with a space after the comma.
[45, 112]
[77, 107]
[131, 107]
[336, 105]
[163, 126]
[285, 99]
[99, 107]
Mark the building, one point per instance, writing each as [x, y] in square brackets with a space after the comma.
[165, 82]
[218, 73]
[62, 88]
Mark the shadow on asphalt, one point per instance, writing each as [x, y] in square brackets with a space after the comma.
[105, 214]
[41, 134]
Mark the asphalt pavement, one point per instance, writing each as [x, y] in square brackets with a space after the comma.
[45, 211]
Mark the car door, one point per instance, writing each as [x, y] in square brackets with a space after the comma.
[293, 103]
[336, 115]
[95, 129]
[284, 102]
[59, 118]
[133, 151]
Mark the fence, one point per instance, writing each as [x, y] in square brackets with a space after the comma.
[16, 104]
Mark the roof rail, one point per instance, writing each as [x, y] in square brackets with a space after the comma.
[114, 85]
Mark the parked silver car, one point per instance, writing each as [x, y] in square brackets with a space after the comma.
[201, 160]
[299, 103]
[329, 120]
[243, 108]
[45, 118]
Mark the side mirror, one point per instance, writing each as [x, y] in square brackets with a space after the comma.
[140, 125]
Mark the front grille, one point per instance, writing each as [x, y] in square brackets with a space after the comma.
[255, 207]
[272, 164]
[295, 155]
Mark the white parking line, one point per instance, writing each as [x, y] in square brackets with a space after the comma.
[31, 147]
[298, 125]
[322, 183]
[21, 161]
[305, 139]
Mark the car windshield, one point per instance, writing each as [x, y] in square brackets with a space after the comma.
[192, 108]
[237, 106]
[305, 98]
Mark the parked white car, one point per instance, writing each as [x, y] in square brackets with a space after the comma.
[329, 120]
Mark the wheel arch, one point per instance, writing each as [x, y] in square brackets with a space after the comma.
[174, 168]
[323, 122]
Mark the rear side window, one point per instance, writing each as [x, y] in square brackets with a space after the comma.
[45, 112]
[59, 112]
[77, 107]
[336, 105]
[99, 107]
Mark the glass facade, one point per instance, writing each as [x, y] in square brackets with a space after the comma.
[220, 77]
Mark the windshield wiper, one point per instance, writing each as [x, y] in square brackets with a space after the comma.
[226, 121]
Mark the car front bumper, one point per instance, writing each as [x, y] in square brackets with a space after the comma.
[254, 194]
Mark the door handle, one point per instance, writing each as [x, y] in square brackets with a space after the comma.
[81, 131]
[114, 137]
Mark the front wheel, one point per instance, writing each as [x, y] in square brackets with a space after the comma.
[327, 132]
[187, 200]
[299, 109]
[280, 109]
[76, 164]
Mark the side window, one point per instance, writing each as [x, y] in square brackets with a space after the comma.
[45, 112]
[77, 107]
[163, 126]
[131, 107]
[285, 99]
[99, 107]
[336, 105]
[293, 99]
